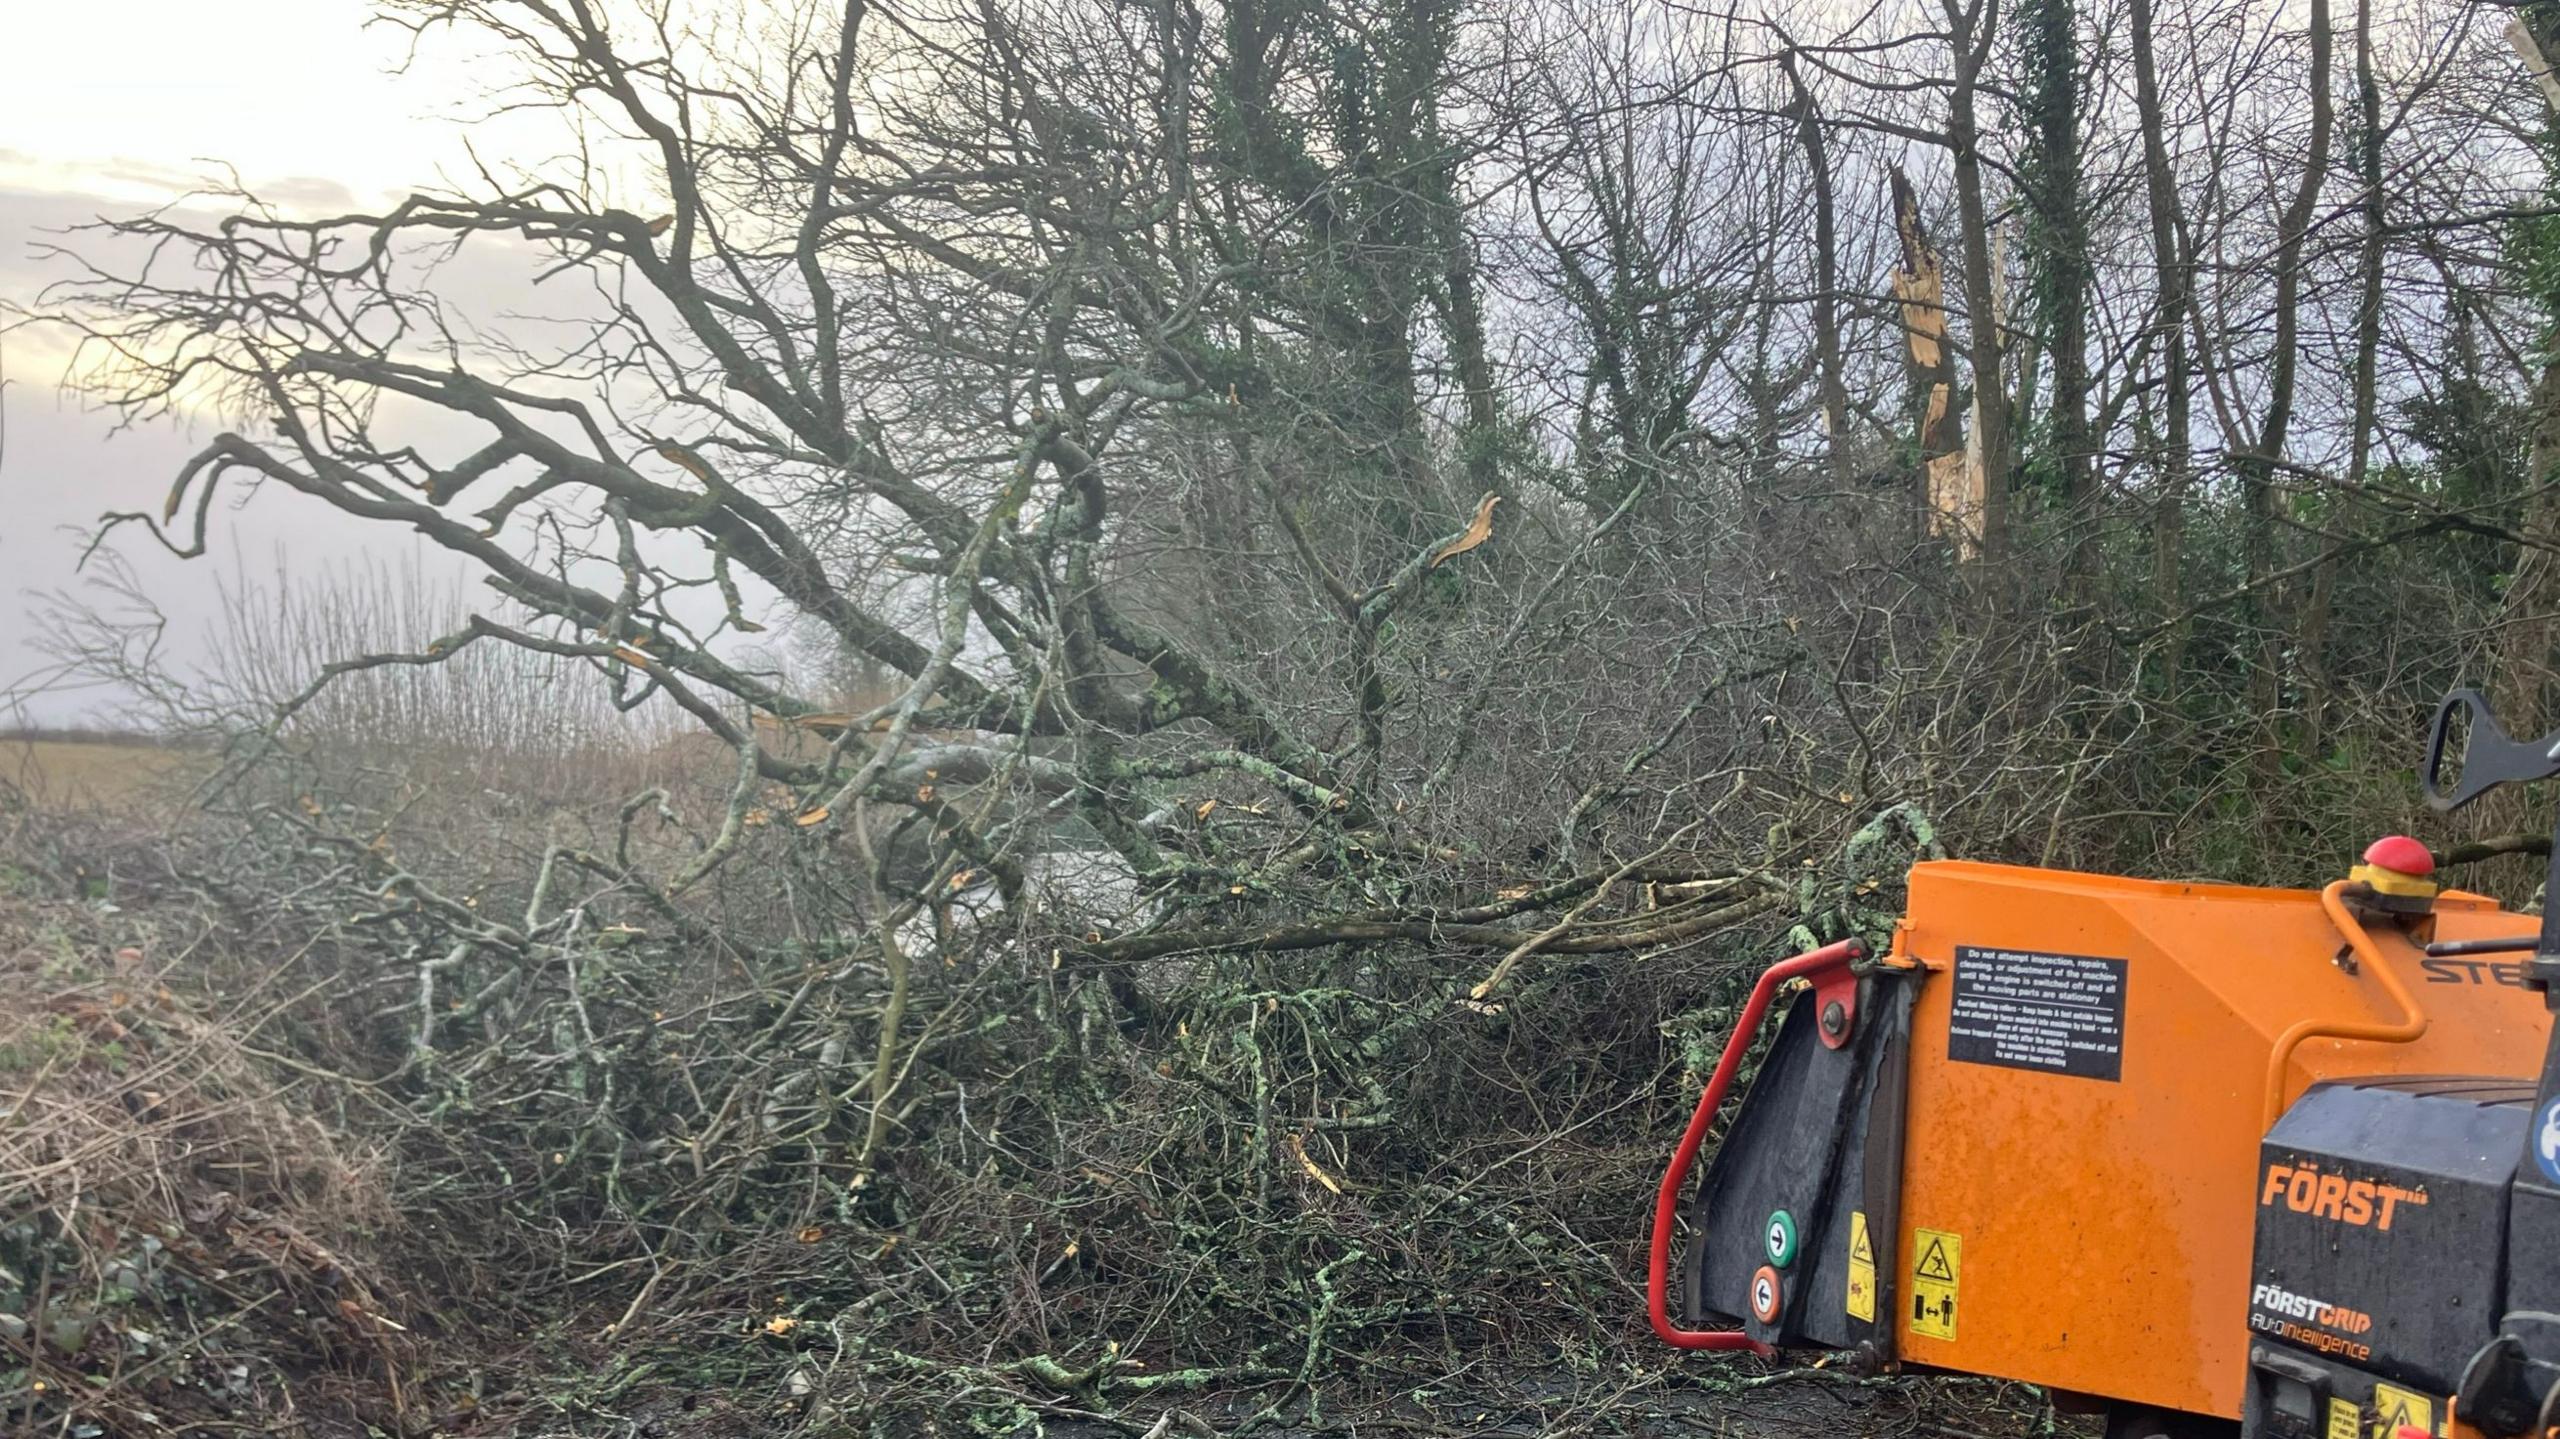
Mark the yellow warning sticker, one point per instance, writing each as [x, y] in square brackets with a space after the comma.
[2394, 1407]
[2344, 1421]
[1862, 1271]
[1937, 1259]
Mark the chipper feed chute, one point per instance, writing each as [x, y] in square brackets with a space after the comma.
[2199, 1153]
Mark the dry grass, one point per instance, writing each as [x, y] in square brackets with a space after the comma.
[182, 1241]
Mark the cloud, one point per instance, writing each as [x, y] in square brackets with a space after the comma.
[83, 142]
[64, 463]
[41, 233]
[307, 193]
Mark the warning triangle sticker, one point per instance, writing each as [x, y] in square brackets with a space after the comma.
[1933, 1263]
[2400, 1415]
[1859, 1248]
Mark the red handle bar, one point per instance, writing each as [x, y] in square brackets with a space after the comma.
[1667, 1201]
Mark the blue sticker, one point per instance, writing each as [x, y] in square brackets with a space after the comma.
[2546, 1141]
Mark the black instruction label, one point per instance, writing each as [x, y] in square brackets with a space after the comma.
[2059, 1013]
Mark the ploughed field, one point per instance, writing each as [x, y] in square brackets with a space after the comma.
[70, 771]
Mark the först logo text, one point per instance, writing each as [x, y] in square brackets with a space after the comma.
[2360, 1202]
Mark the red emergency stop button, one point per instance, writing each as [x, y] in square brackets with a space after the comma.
[2397, 868]
[2401, 855]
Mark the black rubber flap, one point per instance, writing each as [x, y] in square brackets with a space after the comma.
[1802, 1144]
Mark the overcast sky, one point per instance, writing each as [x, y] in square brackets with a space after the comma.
[300, 102]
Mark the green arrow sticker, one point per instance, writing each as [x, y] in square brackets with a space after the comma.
[1782, 1238]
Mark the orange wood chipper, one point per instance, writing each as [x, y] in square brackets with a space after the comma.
[2203, 1156]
